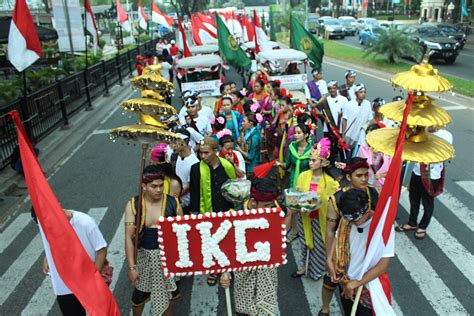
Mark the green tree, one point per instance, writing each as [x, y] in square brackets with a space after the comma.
[394, 44]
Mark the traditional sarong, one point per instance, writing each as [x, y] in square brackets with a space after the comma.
[255, 292]
[317, 256]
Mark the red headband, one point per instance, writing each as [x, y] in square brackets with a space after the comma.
[357, 165]
[263, 196]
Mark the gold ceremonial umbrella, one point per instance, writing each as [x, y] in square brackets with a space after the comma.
[423, 112]
[421, 77]
[419, 146]
[148, 106]
[153, 81]
[152, 69]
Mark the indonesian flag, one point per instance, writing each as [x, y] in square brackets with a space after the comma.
[90, 24]
[208, 22]
[381, 227]
[142, 20]
[261, 41]
[232, 23]
[182, 42]
[201, 34]
[72, 262]
[24, 47]
[248, 33]
[159, 17]
[122, 17]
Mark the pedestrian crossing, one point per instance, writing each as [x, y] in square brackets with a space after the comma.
[416, 266]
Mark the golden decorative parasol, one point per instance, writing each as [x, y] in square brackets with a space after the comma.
[148, 130]
[153, 81]
[423, 112]
[419, 146]
[148, 106]
[152, 69]
[422, 77]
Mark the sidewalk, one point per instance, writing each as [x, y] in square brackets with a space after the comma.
[56, 146]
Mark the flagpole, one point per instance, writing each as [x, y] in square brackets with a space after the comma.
[356, 301]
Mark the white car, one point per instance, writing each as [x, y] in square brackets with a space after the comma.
[365, 23]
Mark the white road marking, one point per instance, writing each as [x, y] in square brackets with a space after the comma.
[13, 230]
[465, 215]
[427, 280]
[312, 289]
[204, 298]
[455, 107]
[44, 298]
[457, 253]
[116, 252]
[100, 131]
[467, 186]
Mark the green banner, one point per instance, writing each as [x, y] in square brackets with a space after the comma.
[301, 39]
[229, 48]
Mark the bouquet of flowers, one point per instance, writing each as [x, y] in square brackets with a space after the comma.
[236, 190]
[305, 201]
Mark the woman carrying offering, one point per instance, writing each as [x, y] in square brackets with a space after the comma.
[251, 143]
[312, 226]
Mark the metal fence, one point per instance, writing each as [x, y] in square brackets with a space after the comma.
[49, 108]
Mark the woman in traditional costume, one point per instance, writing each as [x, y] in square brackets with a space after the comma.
[312, 226]
[232, 117]
[258, 94]
[159, 159]
[251, 143]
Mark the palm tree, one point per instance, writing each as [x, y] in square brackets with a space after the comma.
[394, 44]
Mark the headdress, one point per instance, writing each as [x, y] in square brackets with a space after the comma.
[378, 102]
[353, 204]
[262, 77]
[158, 153]
[264, 189]
[254, 107]
[354, 165]
[259, 118]
[299, 108]
[359, 87]
[243, 92]
[321, 149]
[223, 133]
[350, 73]
[190, 93]
[277, 82]
[315, 71]
[284, 93]
[332, 84]
[208, 142]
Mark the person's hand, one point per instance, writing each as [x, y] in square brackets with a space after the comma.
[349, 289]
[332, 271]
[132, 277]
[45, 267]
[277, 163]
[340, 165]
[225, 280]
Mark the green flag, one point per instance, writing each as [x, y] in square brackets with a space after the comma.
[272, 25]
[229, 48]
[264, 25]
[304, 41]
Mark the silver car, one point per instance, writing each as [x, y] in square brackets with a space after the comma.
[350, 25]
[365, 23]
[331, 27]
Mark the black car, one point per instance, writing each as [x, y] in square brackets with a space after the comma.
[452, 32]
[439, 43]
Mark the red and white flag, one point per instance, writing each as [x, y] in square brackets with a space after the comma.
[261, 41]
[122, 17]
[201, 34]
[159, 17]
[142, 20]
[90, 24]
[248, 32]
[72, 262]
[24, 46]
[381, 227]
[208, 22]
[182, 42]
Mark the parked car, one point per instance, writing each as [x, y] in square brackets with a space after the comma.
[332, 26]
[370, 35]
[364, 23]
[313, 24]
[395, 24]
[439, 44]
[452, 32]
[350, 25]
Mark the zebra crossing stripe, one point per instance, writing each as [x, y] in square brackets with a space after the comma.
[467, 186]
[44, 298]
[465, 215]
[116, 252]
[204, 298]
[428, 281]
[453, 249]
[13, 230]
[312, 288]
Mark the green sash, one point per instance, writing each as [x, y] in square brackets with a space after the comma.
[298, 158]
[205, 183]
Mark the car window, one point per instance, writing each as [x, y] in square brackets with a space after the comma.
[332, 22]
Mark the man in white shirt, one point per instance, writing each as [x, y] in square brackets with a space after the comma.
[348, 89]
[355, 114]
[193, 119]
[94, 244]
[426, 183]
[203, 110]
[316, 90]
[332, 111]
[186, 158]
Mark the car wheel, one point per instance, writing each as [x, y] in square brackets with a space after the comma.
[342, 37]
[360, 41]
[450, 60]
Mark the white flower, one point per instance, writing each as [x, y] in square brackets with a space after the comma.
[262, 249]
[210, 243]
[181, 231]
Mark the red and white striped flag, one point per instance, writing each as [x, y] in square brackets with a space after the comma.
[381, 227]
[122, 17]
[90, 24]
[182, 42]
[159, 17]
[142, 20]
[248, 32]
[24, 46]
[209, 23]
[201, 34]
[261, 41]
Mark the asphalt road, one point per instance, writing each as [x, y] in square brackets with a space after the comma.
[463, 67]
[429, 277]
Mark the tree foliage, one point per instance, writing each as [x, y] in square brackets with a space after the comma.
[394, 44]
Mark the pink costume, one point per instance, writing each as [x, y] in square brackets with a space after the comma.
[378, 163]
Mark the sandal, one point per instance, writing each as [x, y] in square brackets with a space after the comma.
[212, 279]
[404, 228]
[321, 313]
[420, 234]
[296, 275]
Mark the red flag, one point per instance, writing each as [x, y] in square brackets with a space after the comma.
[182, 42]
[201, 34]
[142, 20]
[248, 33]
[208, 22]
[73, 264]
[24, 46]
[257, 30]
[90, 24]
[122, 17]
[159, 17]
[381, 227]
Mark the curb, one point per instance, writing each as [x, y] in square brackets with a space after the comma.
[57, 145]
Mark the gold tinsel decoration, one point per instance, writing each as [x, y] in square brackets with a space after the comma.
[148, 106]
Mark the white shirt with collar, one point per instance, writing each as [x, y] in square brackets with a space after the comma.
[335, 105]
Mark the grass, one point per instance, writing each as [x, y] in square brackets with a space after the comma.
[356, 56]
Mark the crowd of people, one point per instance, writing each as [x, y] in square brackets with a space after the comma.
[260, 123]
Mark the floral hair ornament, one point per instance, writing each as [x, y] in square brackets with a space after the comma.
[311, 126]
[321, 149]
[259, 118]
[212, 120]
[223, 133]
[158, 153]
[220, 120]
[243, 92]
[299, 108]
[278, 82]
[262, 77]
[254, 107]
[380, 124]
